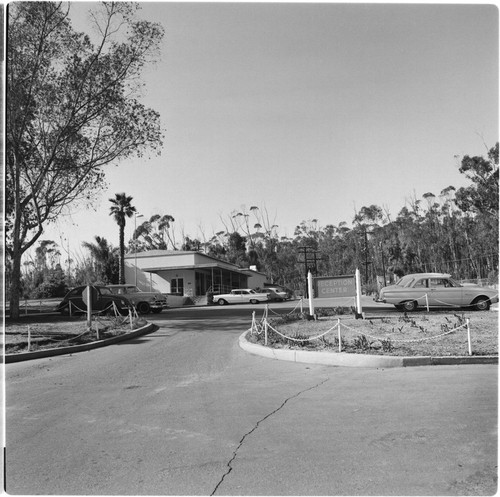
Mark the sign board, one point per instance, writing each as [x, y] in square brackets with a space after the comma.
[331, 287]
[90, 295]
[334, 287]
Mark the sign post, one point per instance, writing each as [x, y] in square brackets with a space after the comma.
[88, 301]
[310, 293]
[359, 309]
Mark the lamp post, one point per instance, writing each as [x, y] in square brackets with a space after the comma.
[135, 245]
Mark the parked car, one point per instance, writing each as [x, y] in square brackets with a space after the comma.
[103, 304]
[144, 302]
[277, 293]
[436, 290]
[241, 296]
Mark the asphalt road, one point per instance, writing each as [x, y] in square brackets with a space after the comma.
[184, 411]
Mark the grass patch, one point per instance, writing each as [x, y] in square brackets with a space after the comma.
[438, 333]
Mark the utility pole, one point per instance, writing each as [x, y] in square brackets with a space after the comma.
[309, 264]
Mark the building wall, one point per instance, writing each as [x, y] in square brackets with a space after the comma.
[256, 280]
[147, 282]
[161, 281]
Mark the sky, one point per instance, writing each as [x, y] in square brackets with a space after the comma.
[307, 111]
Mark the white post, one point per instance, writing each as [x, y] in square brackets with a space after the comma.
[359, 308]
[310, 292]
[265, 332]
[468, 336]
[131, 319]
[427, 302]
[301, 305]
[89, 306]
[253, 321]
[340, 339]
[97, 330]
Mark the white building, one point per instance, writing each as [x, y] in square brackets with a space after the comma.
[187, 274]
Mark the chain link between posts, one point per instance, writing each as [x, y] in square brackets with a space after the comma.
[97, 315]
[259, 326]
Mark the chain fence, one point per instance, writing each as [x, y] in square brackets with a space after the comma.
[103, 320]
[264, 326]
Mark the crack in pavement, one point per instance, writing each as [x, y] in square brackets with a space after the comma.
[235, 453]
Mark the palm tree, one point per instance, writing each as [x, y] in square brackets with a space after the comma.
[103, 254]
[120, 210]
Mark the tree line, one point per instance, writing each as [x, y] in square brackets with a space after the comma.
[455, 231]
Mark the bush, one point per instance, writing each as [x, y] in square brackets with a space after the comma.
[50, 289]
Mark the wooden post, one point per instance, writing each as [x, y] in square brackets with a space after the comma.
[427, 302]
[89, 307]
[340, 338]
[310, 292]
[468, 336]
[359, 308]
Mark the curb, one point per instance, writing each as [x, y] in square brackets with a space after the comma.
[26, 356]
[358, 360]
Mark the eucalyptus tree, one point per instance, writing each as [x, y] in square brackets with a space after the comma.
[72, 107]
[155, 234]
[481, 197]
[121, 209]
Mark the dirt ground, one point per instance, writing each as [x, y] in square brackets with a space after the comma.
[62, 333]
[438, 333]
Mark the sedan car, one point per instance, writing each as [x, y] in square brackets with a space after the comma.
[241, 296]
[436, 290]
[74, 303]
[277, 293]
[144, 302]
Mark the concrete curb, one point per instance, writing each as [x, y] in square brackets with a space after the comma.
[357, 360]
[26, 356]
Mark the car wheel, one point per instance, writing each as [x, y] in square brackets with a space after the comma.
[253, 301]
[143, 308]
[481, 304]
[409, 305]
[221, 302]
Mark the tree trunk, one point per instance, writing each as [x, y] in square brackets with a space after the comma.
[122, 255]
[15, 287]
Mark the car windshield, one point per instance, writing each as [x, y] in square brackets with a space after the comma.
[405, 281]
[105, 291]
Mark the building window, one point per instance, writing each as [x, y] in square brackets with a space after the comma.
[177, 286]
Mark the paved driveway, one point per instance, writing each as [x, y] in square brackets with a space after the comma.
[184, 411]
